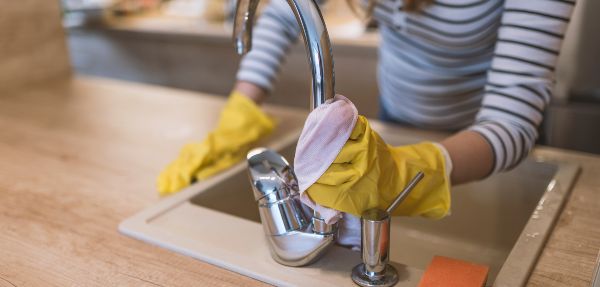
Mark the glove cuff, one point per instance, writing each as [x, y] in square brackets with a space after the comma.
[447, 159]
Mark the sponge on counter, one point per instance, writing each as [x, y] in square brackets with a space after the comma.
[448, 272]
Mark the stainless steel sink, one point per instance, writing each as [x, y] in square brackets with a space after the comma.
[501, 222]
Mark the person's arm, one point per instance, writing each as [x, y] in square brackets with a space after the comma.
[252, 91]
[471, 155]
[519, 87]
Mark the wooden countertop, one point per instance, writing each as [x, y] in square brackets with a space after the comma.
[77, 159]
[80, 156]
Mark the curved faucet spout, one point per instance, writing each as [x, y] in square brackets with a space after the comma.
[316, 40]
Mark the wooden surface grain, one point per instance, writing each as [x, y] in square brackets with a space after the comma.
[569, 256]
[78, 158]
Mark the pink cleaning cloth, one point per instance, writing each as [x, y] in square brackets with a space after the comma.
[325, 132]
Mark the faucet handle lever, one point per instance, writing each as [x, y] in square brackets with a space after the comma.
[404, 193]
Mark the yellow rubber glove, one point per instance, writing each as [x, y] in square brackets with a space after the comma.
[241, 124]
[369, 173]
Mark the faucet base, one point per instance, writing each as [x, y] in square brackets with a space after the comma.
[361, 277]
[301, 247]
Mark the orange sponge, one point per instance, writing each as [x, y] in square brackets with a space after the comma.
[448, 272]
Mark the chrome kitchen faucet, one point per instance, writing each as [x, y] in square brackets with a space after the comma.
[293, 239]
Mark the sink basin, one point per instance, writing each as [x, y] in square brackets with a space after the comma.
[502, 222]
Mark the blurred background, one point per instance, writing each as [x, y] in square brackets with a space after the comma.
[187, 44]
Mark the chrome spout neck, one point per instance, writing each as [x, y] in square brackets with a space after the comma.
[316, 40]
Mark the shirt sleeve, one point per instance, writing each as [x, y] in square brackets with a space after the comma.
[273, 34]
[520, 80]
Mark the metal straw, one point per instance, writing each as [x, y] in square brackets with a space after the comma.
[413, 182]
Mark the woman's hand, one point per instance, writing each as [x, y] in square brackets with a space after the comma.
[241, 124]
[369, 173]
[343, 165]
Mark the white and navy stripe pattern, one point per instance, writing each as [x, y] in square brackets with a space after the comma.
[485, 65]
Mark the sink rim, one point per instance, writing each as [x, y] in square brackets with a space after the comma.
[514, 272]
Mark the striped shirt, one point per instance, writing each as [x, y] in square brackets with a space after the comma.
[485, 66]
